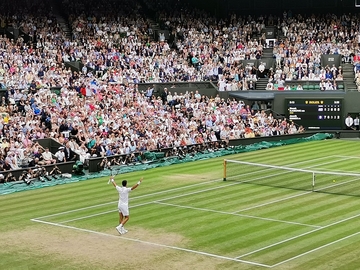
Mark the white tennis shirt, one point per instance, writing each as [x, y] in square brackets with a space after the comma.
[123, 195]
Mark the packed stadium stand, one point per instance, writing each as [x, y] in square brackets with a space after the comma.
[105, 78]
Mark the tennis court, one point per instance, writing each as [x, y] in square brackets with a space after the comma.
[291, 207]
[247, 220]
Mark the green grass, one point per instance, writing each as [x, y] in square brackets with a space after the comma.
[185, 217]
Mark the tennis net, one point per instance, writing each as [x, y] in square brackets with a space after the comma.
[341, 183]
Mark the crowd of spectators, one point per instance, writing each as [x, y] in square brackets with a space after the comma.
[100, 110]
[305, 39]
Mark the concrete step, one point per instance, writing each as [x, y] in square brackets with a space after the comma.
[261, 83]
[347, 66]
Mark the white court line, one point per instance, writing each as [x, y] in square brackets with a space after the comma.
[335, 185]
[290, 164]
[153, 244]
[165, 199]
[347, 156]
[169, 198]
[151, 202]
[101, 213]
[286, 198]
[298, 236]
[315, 249]
[232, 213]
[65, 226]
[239, 215]
[89, 216]
[75, 210]
[284, 172]
[272, 202]
[258, 178]
[136, 197]
[164, 191]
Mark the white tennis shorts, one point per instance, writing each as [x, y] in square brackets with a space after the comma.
[124, 209]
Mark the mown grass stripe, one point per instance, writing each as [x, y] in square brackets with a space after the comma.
[262, 240]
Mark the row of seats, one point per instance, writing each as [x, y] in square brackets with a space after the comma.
[309, 85]
[316, 86]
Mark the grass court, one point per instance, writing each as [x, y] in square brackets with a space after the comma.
[186, 217]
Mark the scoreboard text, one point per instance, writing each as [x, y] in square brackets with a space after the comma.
[315, 113]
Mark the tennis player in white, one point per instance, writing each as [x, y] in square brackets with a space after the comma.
[123, 204]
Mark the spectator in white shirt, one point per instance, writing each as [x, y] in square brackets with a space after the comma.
[60, 154]
[47, 156]
[349, 121]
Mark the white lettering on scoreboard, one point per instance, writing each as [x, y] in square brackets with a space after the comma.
[315, 109]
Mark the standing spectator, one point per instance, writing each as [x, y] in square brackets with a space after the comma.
[149, 92]
[69, 155]
[349, 121]
[356, 122]
[164, 95]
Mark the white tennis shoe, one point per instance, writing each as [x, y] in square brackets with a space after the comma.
[119, 229]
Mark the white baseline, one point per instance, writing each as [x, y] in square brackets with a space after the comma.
[151, 243]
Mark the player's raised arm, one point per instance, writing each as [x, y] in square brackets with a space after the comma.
[113, 181]
[137, 184]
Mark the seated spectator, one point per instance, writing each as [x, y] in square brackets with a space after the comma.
[322, 85]
[269, 86]
[60, 154]
[83, 153]
[11, 161]
[357, 81]
[108, 102]
[47, 157]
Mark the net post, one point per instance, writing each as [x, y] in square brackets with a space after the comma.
[313, 181]
[224, 172]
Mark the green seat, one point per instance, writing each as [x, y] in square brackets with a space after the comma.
[305, 87]
[317, 87]
[311, 87]
[341, 87]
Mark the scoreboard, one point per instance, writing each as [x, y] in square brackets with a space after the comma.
[315, 114]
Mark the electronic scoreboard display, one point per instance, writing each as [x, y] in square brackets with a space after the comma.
[315, 114]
